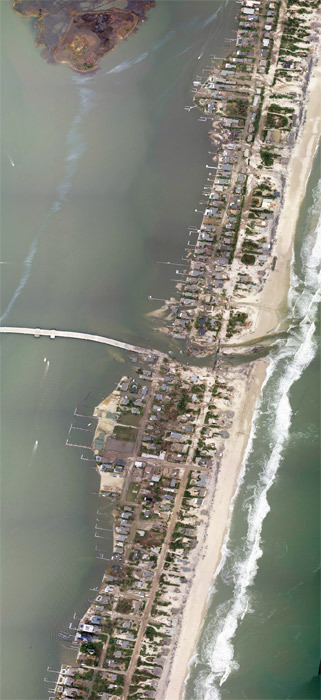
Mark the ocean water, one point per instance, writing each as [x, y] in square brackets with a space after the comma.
[107, 173]
[100, 178]
[262, 630]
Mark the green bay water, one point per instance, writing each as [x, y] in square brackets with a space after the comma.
[100, 179]
[117, 167]
[262, 630]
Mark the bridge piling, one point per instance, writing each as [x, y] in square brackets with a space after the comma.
[38, 332]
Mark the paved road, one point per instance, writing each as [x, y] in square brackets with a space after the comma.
[37, 332]
[155, 585]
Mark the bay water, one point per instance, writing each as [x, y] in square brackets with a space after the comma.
[100, 178]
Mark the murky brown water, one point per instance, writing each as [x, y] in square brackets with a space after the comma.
[107, 174]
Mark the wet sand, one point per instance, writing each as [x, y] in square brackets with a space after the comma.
[247, 391]
[270, 305]
[269, 310]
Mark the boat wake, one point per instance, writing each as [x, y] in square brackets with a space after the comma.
[75, 147]
[170, 35]
[34, 450]
[194, 24]
[45, 373]
[239, 568]
[127, 64]
[24, 278]
[10, 159]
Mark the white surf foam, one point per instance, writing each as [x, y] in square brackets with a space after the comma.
[292, 358]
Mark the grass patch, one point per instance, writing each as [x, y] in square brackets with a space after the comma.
[123, 433]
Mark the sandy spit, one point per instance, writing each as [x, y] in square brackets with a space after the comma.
[270, 304]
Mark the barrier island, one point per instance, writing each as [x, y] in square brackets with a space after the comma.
[170, 439]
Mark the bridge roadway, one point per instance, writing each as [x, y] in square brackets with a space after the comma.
[37, 332]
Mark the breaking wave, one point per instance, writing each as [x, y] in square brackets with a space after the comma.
[292, 357]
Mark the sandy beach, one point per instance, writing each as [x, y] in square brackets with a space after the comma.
[269, 310]
[270, 305]
[247, 390]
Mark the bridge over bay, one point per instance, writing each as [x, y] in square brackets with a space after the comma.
[37, 332]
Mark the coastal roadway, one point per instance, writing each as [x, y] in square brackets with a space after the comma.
[37, 332]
